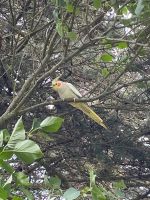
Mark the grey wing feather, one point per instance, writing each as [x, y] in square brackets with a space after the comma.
[74, 90]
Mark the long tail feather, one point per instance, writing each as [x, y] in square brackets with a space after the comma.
[89, 112]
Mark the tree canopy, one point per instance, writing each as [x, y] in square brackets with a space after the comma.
[102, 48]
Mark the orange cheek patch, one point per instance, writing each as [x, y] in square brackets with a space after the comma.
[58, 83]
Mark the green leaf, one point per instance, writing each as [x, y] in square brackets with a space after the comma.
[139, 7]
[8, 182]
[97, 4]
[122, 45]
[28, 194]
[5, 165]
[6, 154]
[17, 135]
[98, 193]
[8, 186]
[17, 198]
[86, 190]
[51, 124]
[28, 151]
[106, 57]
[69, 8]
[53, 182]
[77, 11]
[119, 185]
[4, 136]
[3, 194]
[105, 72]
[61, 28]
[72, 36]
[71, 194]
[92, 177]
[22, 179]
[35, 124]
[125, 10]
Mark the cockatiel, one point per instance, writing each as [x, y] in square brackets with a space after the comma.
[67, 90]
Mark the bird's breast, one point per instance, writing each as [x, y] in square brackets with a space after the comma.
[65, 94]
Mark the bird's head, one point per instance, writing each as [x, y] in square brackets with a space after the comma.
[57, 84]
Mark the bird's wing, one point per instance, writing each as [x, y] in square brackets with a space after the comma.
[74, 90]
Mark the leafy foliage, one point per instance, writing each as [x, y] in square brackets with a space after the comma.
[26, 150]
[51, 124]
[95, 191]
[101, 47]
[71, 194]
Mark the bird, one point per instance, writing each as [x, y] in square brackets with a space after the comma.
[68, 91]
